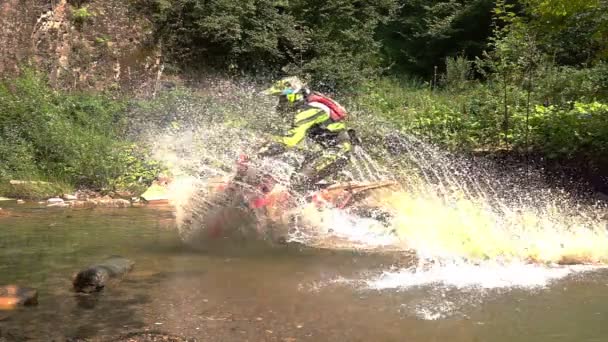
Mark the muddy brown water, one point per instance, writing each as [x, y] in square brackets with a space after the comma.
[253, 293]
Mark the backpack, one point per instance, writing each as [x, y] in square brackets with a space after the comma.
[336, 111]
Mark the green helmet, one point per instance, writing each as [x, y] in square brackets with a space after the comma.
[290, 87]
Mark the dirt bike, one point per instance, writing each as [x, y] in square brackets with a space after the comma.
[254, 204]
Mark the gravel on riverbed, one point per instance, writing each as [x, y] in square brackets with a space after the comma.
[153, 337]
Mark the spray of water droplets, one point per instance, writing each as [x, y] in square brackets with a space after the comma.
[451, 210]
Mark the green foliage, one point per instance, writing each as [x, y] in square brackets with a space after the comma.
[472, 117]
[35, 190]
[526, 75]
[424, 33]
[562, 8]
[458, 73]
[574, 32]
[81, 15]
[137, 169]
[562, 85]
[567, 133]
[47, 134]
[16, 156]
[333, 41]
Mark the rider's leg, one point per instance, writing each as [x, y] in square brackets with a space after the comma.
[316, 169]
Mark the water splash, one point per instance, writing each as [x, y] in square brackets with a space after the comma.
[462, 211]
[449, 208]
[462, 275]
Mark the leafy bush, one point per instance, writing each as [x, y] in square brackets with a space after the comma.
[561, 85]
[333, 41]
[566, 133]
[16, 156]
[137, 170]
[423, 33]
[57, 136]
[458, 73]
[473, 118]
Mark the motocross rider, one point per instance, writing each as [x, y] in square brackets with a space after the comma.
[318, 118]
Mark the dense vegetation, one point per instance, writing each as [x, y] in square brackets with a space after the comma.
[526, 76]
[330, 41]
[70, 140]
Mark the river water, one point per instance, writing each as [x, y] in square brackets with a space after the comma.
[291, 293]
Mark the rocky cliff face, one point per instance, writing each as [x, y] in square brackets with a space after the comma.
[96, 44]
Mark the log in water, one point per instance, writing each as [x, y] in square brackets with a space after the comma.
[95, 277]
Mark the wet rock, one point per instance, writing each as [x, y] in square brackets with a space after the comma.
[81, 204]
[4, 213]
[12, 296]
[94, 278]
[54, 200]
[84, 195]
[104, 202]
[69, 197]
[20, 201]
[58, 205]
[114, 203]
[157, 193]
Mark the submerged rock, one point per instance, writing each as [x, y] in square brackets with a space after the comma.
[95, 277]
[12, 296]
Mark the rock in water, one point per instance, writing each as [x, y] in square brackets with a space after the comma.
[94, 278]
[105, 202]
[12, 296]
[54, 200]
[58, 205]
[69, 197]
